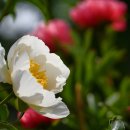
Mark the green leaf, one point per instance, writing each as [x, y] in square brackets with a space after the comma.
[108, 61]
[7, 126]
[8, 8]
[125, 91]
[4, 113]
[43, 7]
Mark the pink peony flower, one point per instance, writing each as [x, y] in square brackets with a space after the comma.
[31, 119]
[54, 32]
[116, 10]
[90, 13]
[60, 31]
[42, 33]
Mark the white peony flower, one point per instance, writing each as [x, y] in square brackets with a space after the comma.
[36, 75]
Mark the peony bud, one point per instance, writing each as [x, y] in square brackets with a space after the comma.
[42, 33]
[60, 31]
[90, 13]
[55, 32]
[32, 119]
[116, 10]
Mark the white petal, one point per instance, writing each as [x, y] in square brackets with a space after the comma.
[57, 111]
[55, 60]
[20, 62]
[4, 72]
[30, 91]
[49, 99]
[32, 45]
[57, 73]
[26, 88]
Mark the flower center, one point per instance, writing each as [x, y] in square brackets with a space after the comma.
[39, 75]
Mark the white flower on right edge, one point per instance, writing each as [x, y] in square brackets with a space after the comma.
[36, 76]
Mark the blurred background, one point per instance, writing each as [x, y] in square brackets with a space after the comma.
[92, 38]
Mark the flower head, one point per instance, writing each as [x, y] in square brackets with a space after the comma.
[90, 13]
[60, 31]
[55, 31]
[36, 76]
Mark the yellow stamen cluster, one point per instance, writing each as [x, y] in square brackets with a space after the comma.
[39, 75]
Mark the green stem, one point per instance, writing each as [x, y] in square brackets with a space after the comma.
[78, 69]
[7, 98]
[106, 45]
[88, 35]
[80, 106]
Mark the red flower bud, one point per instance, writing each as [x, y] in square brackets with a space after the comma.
[56, 31]
[60, 31]
[31, 119]
[42, 33]
[90, 13]
[116, 10]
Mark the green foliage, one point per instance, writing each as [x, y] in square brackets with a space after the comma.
[7, 7]
[4, 113]
[20, 105]
[125, 92]
[7, 126]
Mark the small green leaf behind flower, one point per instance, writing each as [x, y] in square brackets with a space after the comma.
[4, 113]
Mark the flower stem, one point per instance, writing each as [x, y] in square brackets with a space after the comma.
[78, 69]
[88, 36]
[7, 98]
[80, 106]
